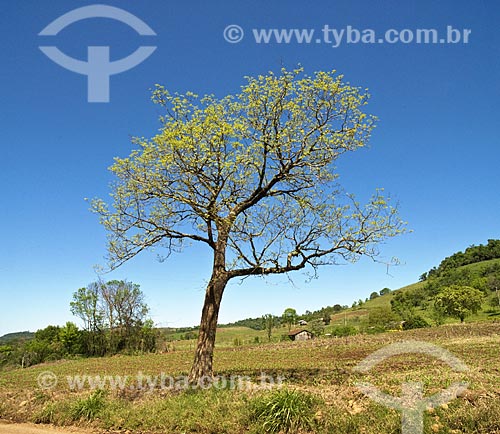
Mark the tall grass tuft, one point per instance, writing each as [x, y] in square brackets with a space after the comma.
[89, 408]
[284, 410]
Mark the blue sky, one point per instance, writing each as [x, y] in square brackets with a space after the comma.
[436, 147]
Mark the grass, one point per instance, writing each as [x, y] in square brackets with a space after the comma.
[284, 411]
[319, 395]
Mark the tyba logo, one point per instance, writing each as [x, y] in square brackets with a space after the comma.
[98, 68]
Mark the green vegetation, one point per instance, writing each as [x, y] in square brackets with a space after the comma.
[319, 394]
[472, 255]
[459, 301]
[15, 337]
[114, 318]
[428, 302]
[284, 411]
[89, 408]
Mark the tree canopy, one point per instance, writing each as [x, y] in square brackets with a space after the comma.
[459, 301]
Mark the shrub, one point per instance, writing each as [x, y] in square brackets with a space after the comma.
[284, 410]
[89, 408]
[341, 331]
[415, 322]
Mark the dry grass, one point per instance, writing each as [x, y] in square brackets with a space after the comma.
[322, 368]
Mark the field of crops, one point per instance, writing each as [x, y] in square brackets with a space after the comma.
[145, 400]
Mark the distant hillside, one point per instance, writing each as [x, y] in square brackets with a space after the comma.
[480, 275]
[471, 255]
[9, 337]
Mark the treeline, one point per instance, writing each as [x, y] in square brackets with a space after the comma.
[114, 316]
[471, 255]
[260, 323]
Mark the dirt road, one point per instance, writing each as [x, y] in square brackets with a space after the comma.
[9, 428]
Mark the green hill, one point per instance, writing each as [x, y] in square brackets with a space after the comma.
[18, 336]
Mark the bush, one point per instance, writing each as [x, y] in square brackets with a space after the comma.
[89, 408]
[342, 331]
[284, 411]
[415, 322]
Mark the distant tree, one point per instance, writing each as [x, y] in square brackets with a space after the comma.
[71, 338]
[289, 317]
[113, 313]
[49, 334]
[86, 305]
[374, 295]
[269, 321]
[404, 303]
[437, 314]
[380, 318]
[337, 308]
[385, 291]
[317, 327]
[148, 336]
[125, 303]
[45, 346]
[459, 301]
[494, 285]
[423, 277]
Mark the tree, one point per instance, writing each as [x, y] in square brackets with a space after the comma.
[269, 323]
[404, 303]
[71, 338]
[113, 314]
[289, 317]
[373, 295]
[494, 285]
[252, 177]
[379, 318]
[385, 291]
[317, 327]
[459, 301]
[86, 306]
[126, 310]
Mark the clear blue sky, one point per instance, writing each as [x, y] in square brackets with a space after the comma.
[436, 148]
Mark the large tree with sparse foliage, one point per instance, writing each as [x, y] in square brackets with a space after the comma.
[251, 176]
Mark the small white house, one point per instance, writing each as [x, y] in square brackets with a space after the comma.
[300, 335]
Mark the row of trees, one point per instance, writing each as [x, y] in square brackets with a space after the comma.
[114, 316]
[471, 255]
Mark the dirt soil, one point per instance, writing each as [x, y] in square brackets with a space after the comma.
[25, 428]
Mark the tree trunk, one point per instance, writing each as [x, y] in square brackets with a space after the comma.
[202, 365]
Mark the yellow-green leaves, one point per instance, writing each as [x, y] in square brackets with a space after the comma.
[253, 172]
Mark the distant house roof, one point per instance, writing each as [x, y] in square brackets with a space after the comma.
[298, 331]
